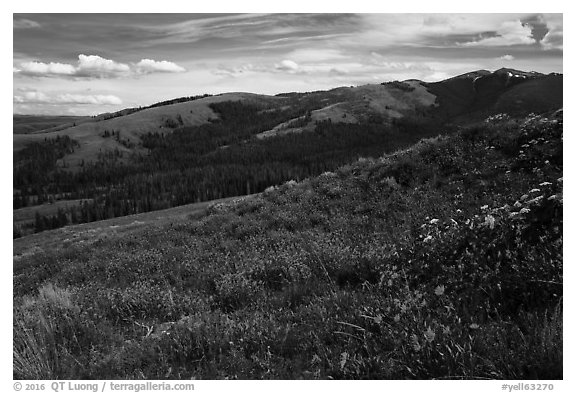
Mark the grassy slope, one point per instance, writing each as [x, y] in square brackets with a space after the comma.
[88, 233]
[442, 261]
[25, 124]
[132, 126]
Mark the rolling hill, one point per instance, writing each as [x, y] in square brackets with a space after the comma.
[473, 95]
[195, 149]
[439, 261]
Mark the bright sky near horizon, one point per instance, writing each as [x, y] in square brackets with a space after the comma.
[85, 64]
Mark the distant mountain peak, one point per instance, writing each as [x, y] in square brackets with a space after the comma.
[511, 72]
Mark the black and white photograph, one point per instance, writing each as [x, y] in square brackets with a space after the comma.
[287, 196]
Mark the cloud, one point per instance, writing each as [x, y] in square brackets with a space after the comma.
[555, 36]
[95, 67]
[287, 65]
[38, 97]
[25, 24]
[147, 66]
[506, 58]
[37, 68]
[316, 55]
[509, 33]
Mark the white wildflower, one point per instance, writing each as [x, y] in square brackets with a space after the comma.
[524, 197]
[439, 291]
[490, 221]
[434, 221]
[535, 190]
[535, 199]
[427, 238]
[429, 335]
[546, 183]
[484, 207]
[525, 210]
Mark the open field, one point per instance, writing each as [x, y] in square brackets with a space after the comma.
[24, 124]
[116, 227]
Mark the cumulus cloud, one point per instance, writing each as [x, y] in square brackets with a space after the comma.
[147, 66]
[506, 58]
[93, 66]
[287, 65]
[37, 68]
[25, 24]
[38, 97]
[96, 66]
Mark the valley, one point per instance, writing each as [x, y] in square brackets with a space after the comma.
[196, 149]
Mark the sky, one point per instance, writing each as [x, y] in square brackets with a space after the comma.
[86, 64]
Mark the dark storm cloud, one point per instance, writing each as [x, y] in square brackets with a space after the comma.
[538, 25]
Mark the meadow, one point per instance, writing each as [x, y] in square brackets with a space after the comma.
[441, 261]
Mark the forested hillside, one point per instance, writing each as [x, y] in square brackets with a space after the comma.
[193, 164]
[240, 143]
[443, 260]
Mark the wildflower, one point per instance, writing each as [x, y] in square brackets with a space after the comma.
[490, 221]
[439, 291]
[535, 199]
[535, 190]
[524, 210]
[343, 359]
[429, 335]
[415, 343]
[484, 207]
[434, 221]
[552, 197]
[474, 326]
[546, 183]
[427, 238]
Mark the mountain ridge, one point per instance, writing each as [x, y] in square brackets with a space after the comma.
[388, 101]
